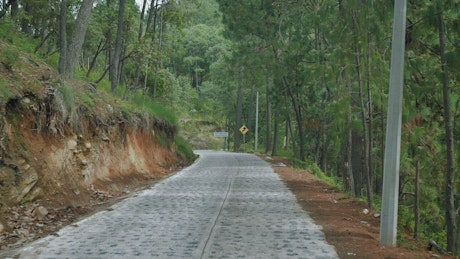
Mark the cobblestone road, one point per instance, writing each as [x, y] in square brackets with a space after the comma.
[226, 205]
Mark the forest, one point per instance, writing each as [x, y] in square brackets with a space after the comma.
[319, 70]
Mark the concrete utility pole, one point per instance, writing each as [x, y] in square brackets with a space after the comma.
[390, 195]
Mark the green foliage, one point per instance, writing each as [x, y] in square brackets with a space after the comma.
[139, 101]
[314, 169]
[68, 97]
[184, 149]
[5, 92]
[9, 56]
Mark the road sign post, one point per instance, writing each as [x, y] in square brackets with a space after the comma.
[243, 131]
[222, 134]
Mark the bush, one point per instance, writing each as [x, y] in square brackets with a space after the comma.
[184, 150]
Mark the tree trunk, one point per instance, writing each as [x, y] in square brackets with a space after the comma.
[296, 107]
[141, 21]
[152, 14]
[417, 200]
[286, 134]
[100, 48]
[365, 149]
[370, 116]
[159, 60]
[139, 38]
[450, 174]
[268, 133]
[275, 134]
[78, 37]
[239, 112]
[14, 8]
[323, 159]
[298, 114]
[351, 178]
[62, 36]
[250, 114]
[116, 55]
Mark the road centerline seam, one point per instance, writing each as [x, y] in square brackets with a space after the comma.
[229, 187]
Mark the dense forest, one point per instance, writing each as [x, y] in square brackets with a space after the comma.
[320, 68]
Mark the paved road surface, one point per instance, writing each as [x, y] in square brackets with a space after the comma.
[226, 205]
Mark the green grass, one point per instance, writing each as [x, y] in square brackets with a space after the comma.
[314, 168]
[9, 34]
[68, 97]
[5, 92]
[145, 103]
[184, 149]
[9, 56]
[136, 102]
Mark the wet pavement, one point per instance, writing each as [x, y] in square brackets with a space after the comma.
[226, 205]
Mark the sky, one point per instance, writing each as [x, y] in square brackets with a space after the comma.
[140, 2]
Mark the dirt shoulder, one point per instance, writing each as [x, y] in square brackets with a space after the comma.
[347, 223]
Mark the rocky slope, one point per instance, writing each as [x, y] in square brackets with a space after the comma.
[64, 145]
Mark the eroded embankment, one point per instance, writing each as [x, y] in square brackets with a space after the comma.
[57, 159]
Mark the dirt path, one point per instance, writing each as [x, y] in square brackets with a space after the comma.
[346, 223]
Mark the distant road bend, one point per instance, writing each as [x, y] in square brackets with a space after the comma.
[226, 205]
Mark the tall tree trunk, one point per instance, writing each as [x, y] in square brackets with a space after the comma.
[286, 134]
[14, 8]
[62, 36]
[365, 150]
[158, 61]
[296, 107]
[250, 114]
[140, 40]
[323, 159]
[152, 15]
[239, 114]
[141, 21]
[100, 47]
[275, 134]
[350, 174]
[268, 133]
[417, 200]
[370, 116]
[450, 174]
[116, 56]
[78, 37]
[298, 115]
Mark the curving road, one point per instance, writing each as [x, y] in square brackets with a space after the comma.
[226, 205]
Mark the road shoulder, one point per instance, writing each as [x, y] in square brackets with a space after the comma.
[347, 223]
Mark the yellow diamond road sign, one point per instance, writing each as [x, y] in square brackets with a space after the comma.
[244, 129]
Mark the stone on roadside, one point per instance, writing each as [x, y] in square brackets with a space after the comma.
[71, 144]
[40, 212]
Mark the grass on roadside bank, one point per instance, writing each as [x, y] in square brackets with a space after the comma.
[25, 73]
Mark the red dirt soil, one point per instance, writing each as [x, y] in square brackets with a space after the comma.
[353, 231]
